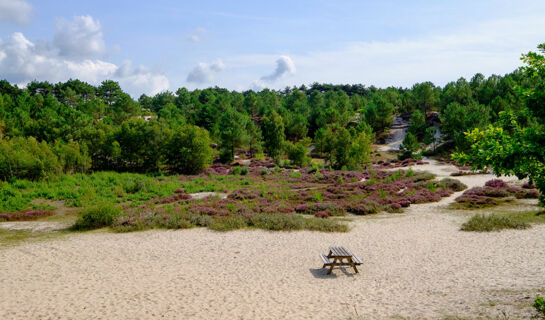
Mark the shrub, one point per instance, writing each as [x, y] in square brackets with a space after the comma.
[496, 183]
[539, 305]
[189, 151]
[492, 222]
[451, 184]
[98, 216]
[298, 152]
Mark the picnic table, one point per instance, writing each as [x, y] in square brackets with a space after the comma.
[336, 258]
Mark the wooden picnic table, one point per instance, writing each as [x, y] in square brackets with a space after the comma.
[336, 258]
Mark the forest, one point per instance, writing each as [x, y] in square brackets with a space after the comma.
[49, 131]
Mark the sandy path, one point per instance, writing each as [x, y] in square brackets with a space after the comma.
[416, 265]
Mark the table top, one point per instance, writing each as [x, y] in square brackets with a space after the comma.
[339, 252]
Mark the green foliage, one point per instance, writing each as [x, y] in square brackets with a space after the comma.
[492, 222]
[273, 134]
[189, 151]
[539, 305]
[344, 150]
[409, 146]
[99, 216]
[458, 118]
[26, 158]
[429, 137]
[242, 171]
[509, 147]
[232, 128]
[418, 124]
[298, 152]
[379, 114]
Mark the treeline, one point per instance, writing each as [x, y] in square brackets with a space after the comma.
[73, 126]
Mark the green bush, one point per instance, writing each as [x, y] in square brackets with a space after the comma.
[492, 222]
[99, 216]
[539, 304]
[240, 171]
[189, 151]
[298, 152]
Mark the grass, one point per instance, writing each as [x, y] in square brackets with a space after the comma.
[269, 221]
[493, 222]
[507, 217]
[98, 216]
[15, 237]
[83, 190]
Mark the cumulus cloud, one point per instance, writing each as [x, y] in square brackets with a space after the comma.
[22, 61]
[284, 65]
[15, 11]
[80, 38]
[205, 72]
[196, 35]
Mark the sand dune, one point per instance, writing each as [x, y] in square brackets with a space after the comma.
[417, 265]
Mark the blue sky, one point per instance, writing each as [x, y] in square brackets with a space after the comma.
[163, 45]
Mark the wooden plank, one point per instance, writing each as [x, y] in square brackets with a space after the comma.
[344, 251]
[356, 260]
[325, 259]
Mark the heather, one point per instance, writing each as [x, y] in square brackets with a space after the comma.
[495, 192]
[276, 198]
[25, 215]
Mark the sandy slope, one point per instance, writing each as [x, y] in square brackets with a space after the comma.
[416, 265]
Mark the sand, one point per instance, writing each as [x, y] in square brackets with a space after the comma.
[417, 265]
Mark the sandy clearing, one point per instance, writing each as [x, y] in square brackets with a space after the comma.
[416, 265]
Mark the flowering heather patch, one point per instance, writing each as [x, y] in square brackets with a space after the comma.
[496, 183]
[179, 195]
[451, 184]
[283, 195]
[494, 192]
[25, 215]
[243, 194]
[527, 185]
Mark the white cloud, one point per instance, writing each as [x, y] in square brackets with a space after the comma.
[15, 11]
[205, 72]
[284, 65]
[490, 47]
[22, 61]
[79, 38]
[196, 35]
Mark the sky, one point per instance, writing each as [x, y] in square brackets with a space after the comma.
[153, 46]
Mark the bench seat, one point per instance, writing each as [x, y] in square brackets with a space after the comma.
[326, 260]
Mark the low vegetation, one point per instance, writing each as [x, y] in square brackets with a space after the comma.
[492, 222]
[494, 192]
[98, 216]
[503, 219]
[25, 215]
[261, 195]
[539, 305]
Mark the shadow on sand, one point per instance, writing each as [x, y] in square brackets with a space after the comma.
[321, 273]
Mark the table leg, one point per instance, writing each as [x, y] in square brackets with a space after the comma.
[353, 265]
[332, 265]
